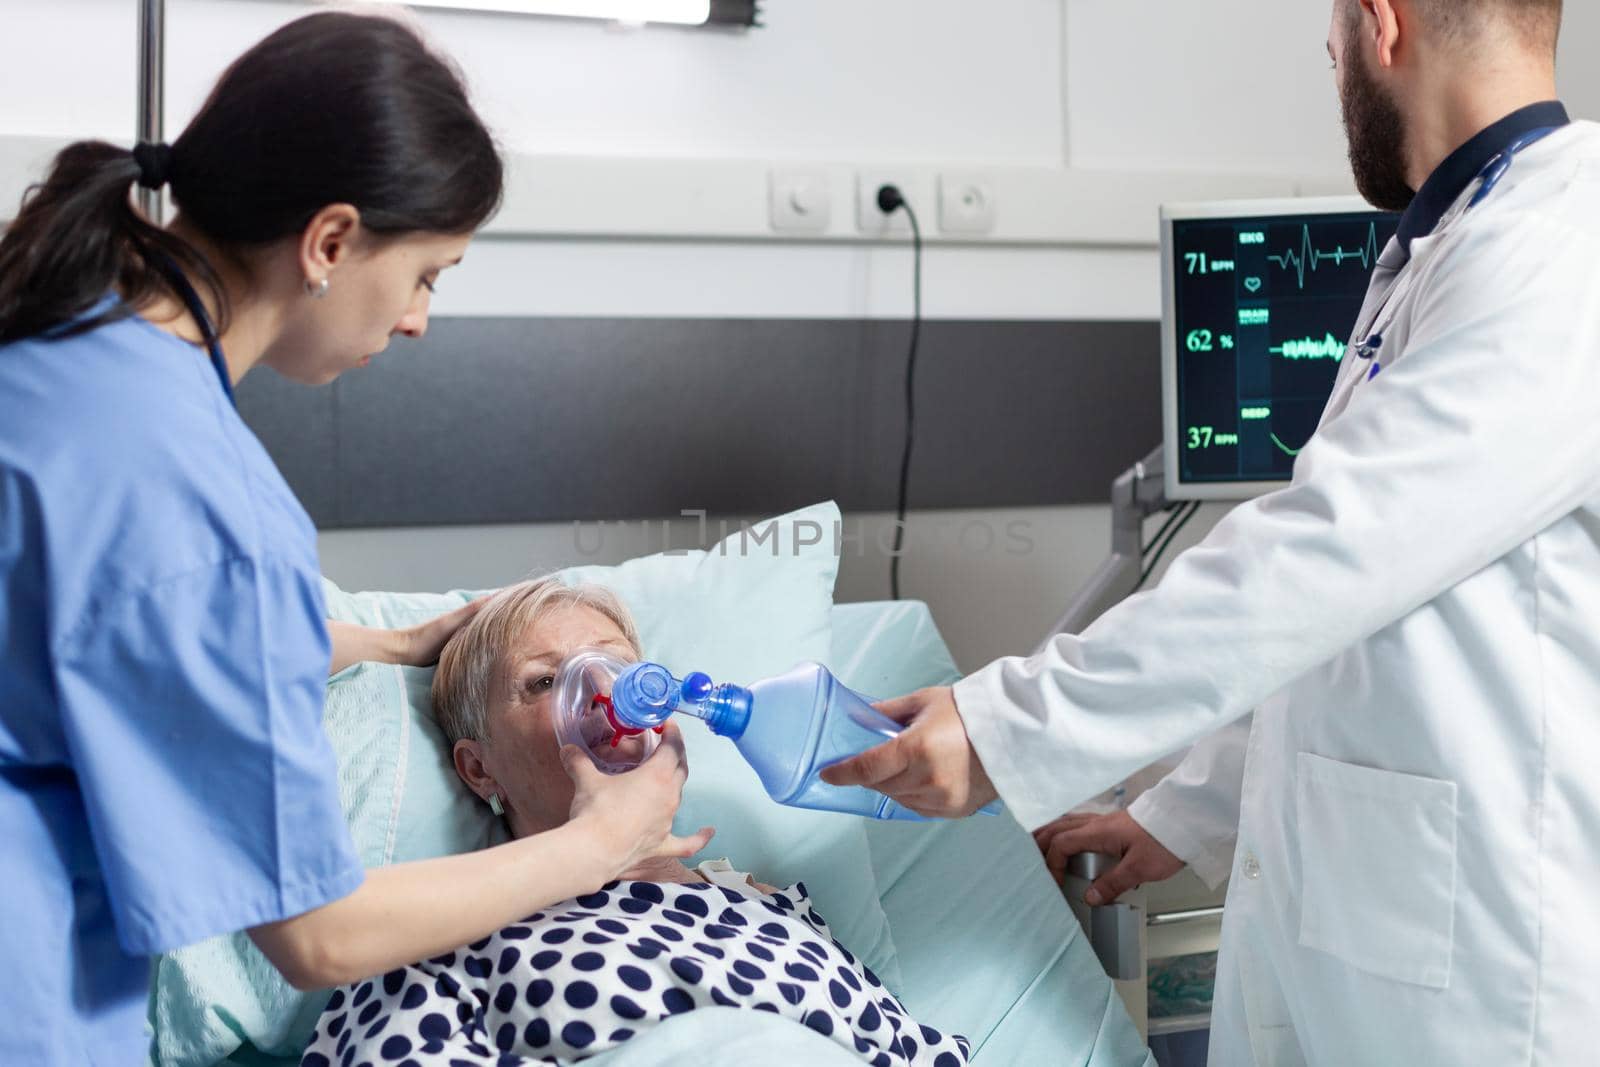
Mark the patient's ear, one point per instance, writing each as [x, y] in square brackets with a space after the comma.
[468, 756]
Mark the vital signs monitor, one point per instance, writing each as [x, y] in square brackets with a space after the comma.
[1259, 299]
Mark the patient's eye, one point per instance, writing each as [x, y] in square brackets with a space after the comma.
[536, 684]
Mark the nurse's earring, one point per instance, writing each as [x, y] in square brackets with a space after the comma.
[317, 291]
[494, 798]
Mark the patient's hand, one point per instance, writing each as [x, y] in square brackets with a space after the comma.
[1143, 858]
[630, 815]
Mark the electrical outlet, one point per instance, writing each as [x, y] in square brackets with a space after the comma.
[871, 220]
[800, 201]
[966, 203]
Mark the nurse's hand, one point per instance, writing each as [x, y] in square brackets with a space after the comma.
[930, 767]
[420, 646]
[630, 815]
[414, 646]
[1142, 858]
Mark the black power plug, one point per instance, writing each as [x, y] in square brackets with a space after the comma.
[889, 199]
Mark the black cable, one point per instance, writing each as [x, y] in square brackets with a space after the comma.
[1174, 512]
[890, 199]
[1149, 568]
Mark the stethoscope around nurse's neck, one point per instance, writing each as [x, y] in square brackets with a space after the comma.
[202, 318]
[1487, 178]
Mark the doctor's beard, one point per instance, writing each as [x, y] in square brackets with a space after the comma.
[1376, 131]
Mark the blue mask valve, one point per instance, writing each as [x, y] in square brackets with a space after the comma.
[646, 695]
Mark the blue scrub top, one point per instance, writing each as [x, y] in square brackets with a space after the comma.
[164, 776]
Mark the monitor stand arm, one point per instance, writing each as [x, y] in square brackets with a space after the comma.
[1115, 931]
[1137, 494]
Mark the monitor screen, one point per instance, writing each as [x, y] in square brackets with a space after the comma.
[1259, 301]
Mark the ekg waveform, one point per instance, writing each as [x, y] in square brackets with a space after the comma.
[1330, 347]
[1310, 257]
[1285, 449]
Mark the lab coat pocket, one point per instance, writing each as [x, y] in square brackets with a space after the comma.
[1378, 868]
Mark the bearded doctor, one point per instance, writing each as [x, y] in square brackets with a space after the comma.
[1411, 821]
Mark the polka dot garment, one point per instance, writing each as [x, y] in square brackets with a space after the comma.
[593, 972]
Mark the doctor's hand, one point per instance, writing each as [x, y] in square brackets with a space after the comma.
[1141, 857]
[630, 815]
[930, 767]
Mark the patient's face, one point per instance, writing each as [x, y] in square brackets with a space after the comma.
[522, 752]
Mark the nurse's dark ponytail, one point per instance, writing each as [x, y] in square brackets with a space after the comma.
[332, 108]
[78, 236]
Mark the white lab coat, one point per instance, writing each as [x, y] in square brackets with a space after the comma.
[1416, 618]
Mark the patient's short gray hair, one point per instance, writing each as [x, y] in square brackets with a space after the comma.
[467, 665]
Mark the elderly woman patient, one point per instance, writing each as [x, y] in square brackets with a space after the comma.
[587, 974]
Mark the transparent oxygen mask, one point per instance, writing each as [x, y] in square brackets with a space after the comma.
[583, 714]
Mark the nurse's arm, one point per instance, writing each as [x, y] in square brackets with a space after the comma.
[414, 646]
[413, 911]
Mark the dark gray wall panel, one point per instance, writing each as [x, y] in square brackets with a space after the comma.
[1019, 414]
[523, 420]
[298, 424]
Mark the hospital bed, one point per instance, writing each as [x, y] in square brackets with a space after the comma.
[1163, 958]
[975, 936]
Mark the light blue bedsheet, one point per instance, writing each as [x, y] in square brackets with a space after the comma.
[986, 943]
[715, 1036]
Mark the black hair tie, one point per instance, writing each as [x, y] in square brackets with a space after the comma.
[155, 163]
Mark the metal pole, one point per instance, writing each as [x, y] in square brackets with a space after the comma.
[152, 70]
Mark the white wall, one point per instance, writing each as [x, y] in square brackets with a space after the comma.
[1230, 85]
[1236, 88]
[1220, 85]
[826, 79]
[1162, 84]
[67, 69]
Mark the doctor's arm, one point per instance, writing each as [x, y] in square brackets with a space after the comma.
[1481, 435]
[413, 911]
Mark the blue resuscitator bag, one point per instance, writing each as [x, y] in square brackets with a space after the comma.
[788, 728]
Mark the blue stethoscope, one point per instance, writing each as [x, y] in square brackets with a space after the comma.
[1487, 179]
[197, 309]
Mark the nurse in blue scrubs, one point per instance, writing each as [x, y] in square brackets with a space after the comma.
[163, 645]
